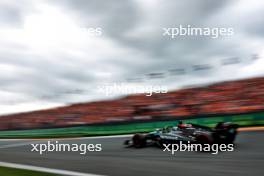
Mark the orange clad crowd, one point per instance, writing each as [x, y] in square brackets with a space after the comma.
[221, 98]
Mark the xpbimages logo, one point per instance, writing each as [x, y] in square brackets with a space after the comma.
[213, 32]
[117, 88]
[60, 147]
[189, 147]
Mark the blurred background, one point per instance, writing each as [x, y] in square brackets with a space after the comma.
[55, 54]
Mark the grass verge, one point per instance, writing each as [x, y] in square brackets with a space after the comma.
[20, 172]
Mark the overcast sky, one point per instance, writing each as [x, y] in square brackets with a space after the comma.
[48, 58]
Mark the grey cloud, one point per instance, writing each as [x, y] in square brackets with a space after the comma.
[121, 18]
[134, 34]
[12, 13]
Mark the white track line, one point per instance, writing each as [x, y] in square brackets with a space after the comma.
[46, 170]
[90, 137]
[13, 140]
[33, 141]
[18, 144]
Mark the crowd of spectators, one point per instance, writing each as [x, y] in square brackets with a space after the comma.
[221, 98]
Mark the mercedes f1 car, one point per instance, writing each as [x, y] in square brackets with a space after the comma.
[222, 133]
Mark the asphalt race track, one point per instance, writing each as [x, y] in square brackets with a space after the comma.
[115, 160]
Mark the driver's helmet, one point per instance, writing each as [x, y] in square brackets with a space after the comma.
[166, 129]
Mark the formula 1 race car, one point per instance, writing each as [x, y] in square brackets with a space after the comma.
[222, 133]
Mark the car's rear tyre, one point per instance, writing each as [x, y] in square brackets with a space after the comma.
[231, 136]
[203, 139]
[228, 130]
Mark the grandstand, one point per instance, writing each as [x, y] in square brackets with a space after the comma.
[240, 96]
